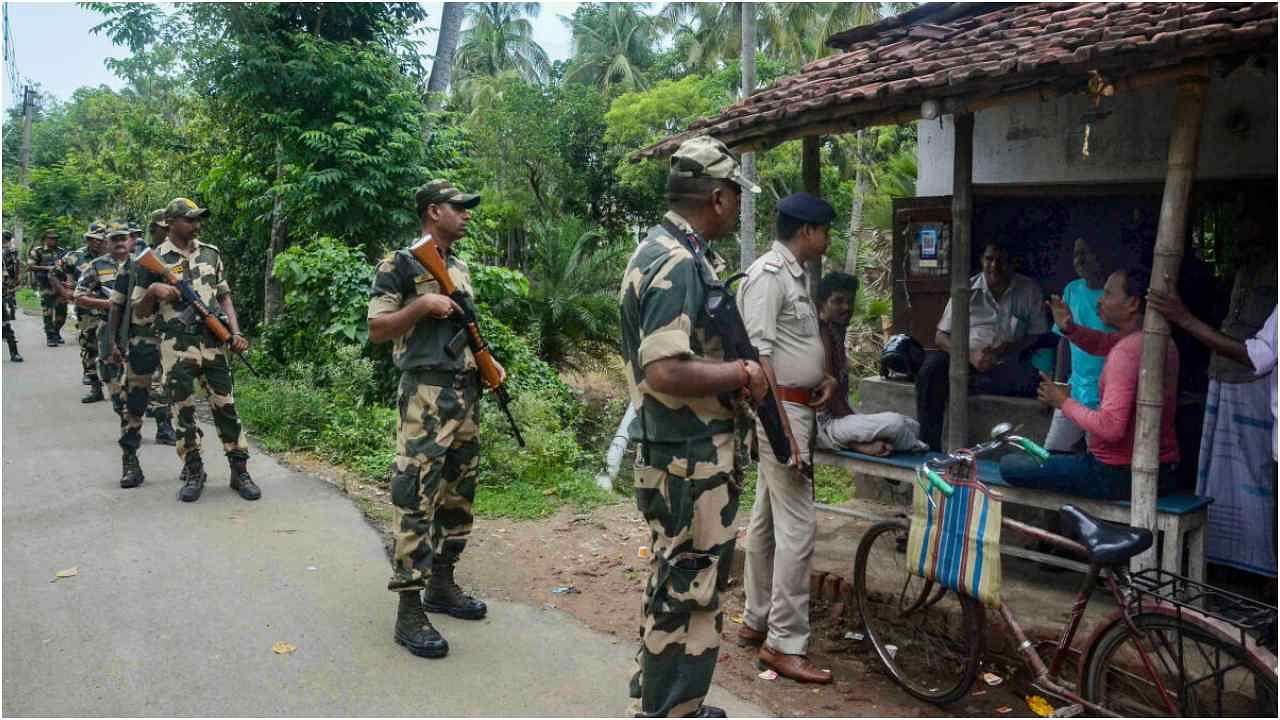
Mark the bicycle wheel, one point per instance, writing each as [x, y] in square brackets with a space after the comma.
[1217, 678]
[930, 640]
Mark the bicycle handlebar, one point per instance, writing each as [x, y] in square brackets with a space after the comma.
[935, 479]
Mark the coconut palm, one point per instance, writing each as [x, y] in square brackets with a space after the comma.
[612, 44]
[499, 37]
[446, 48]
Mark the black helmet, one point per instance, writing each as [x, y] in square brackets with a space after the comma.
[902, 355]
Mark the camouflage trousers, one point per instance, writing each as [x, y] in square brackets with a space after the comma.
[688, 494]
[186, 361]
[54, 310]
[434, 483]
[87, 338]
[111, 375]
[141, 370]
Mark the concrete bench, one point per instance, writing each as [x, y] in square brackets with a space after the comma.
[1180, 518]
[875, 394]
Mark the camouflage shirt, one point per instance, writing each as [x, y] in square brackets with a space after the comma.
[10, 272]
[663, 316]
[202, 267]
[71, 265]
[97, 280]
[138, 324]
[400, 280]
[41, 255]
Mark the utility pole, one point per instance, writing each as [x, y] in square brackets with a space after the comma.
[28, 108]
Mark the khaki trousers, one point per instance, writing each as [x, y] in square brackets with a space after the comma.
[780, 542]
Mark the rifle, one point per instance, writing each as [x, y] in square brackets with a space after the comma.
[427, 252]
[148, 261]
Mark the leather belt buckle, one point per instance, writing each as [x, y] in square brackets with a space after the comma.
[800, 396]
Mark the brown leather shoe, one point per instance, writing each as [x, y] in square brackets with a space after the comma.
[796, 667]
[748, 635]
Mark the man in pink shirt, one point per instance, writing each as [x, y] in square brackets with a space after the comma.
[1103, 472]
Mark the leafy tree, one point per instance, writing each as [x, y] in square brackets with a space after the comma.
[612, 45]
[498, 38]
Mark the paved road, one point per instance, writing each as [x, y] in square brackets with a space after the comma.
[176, 606]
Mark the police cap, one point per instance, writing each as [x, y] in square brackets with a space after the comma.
[808, 209]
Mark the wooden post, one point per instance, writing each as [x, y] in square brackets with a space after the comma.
[811, 175]
[961, 250]
[1184, 145]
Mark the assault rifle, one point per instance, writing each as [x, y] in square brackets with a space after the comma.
[722, 309]
[148, 261]
[427, 252]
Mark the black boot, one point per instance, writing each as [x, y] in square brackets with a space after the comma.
[414, 630]
[14, 355]
[131, 476]
[85, 379]
[192, 477]
[240, 480]
[708, 711]
[164, 432]
[444, 595]
[95, 393]
[51, 341]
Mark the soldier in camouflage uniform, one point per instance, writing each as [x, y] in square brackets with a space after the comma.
[437, 436]
[11, 273]
[689, 460]
[157, 403]
[189, 352]
[93, 299]
[66, 274]
[40, 261]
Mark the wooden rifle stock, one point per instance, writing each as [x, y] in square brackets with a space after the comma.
[427, 252]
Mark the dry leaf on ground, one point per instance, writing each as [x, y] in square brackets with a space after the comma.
[69, 572]
[283, 648]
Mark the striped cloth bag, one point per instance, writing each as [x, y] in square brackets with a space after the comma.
[955, 541]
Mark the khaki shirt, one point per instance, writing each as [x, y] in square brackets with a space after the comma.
[1017, 314]
[781, 318]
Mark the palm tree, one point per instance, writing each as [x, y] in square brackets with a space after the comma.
[711, 31]
[612, 44]
[446, 48]
[499, 37]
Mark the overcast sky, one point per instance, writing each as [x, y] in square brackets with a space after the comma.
[54, 47]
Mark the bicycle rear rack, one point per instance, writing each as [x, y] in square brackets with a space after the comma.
[1251, 618]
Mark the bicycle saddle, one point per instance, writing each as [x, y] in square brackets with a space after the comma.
[1107, 543]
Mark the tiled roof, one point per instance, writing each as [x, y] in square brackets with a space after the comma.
[948, 50]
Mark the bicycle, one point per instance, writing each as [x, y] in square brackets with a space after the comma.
[1173, 646]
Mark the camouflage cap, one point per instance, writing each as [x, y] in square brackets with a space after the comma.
[184, 208]
[442, 191]
[114, 228]
[704, 156]
[50, 231]
[95, 230]
[157, 218]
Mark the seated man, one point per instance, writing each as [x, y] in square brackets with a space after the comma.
[1005, 318]
[1103, 472]
[839, 426]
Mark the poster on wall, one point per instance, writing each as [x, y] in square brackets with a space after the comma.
[927, 240]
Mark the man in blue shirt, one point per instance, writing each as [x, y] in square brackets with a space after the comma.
[1081, 296]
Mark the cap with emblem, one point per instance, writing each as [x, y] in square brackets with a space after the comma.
[704, 156]
[806, 208]
[115, 228]
[157, 218]
[184, 208]
[443, 191]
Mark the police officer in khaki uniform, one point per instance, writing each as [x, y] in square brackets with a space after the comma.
[783, 324]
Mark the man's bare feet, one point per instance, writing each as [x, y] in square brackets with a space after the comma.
[878, 448]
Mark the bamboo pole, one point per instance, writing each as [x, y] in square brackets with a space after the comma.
[961, 251]
[1184, 145]
[811, 175]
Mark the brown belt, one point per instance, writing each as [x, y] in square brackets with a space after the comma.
[801, 396]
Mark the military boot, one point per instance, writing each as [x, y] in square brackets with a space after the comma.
[95, 393]
[414, 629]
[131, 476]
[192, 477]
[14, 355]
[164, 431]
[240, 480]
[444, 595]
[708, 711]
[86, 379]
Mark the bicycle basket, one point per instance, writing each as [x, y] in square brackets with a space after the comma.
[955, 541]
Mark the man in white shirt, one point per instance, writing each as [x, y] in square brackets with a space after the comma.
[1006, 317]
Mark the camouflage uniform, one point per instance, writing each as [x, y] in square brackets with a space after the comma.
[10, 298]
[97, 281]
[437, 435]
[688, 474]
[142, 393]
[70, 268]
[53, 307]
[189, 352]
